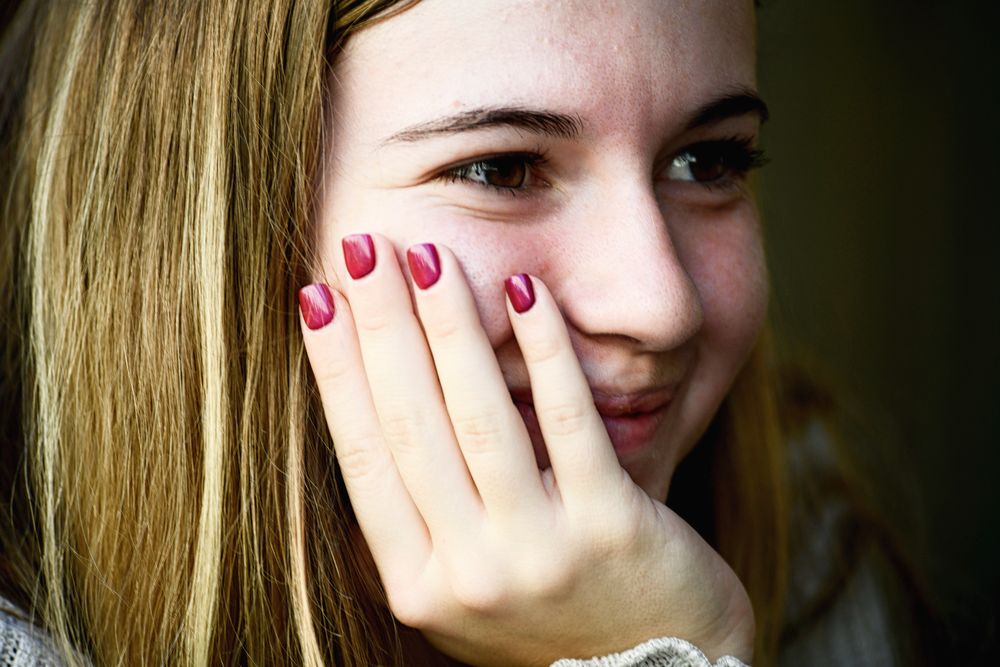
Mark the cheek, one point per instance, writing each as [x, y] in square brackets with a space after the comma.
[729, 270]
[488, 251]
[726, 264]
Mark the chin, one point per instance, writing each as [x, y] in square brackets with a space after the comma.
[653, 474]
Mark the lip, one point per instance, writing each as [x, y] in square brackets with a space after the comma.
[630, 431]
[616, 403]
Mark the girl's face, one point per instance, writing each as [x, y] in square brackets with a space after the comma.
[602, 147]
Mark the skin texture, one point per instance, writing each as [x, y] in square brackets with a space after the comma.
[643, 277]
[658, 281]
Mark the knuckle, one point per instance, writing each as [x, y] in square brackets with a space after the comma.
[403, 428]
[621, 535]
[563, 418]
[359, 460]
[374, 320]
[408, 608]
[542, 351]
[480, 594]
[549, 578]
[332, 371]
[480, 431]
[445, 329]
[610, 536]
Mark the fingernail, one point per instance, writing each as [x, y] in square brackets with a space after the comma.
[425, 267]
[520, 291]
[316, 305]
[359, 254]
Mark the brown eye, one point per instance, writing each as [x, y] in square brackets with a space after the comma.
[703, 170]
[512, 174]
[713, 162]
[697, 166]
[500, 172]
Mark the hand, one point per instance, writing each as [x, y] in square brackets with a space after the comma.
[495, 562]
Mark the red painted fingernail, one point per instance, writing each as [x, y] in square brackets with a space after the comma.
[520, 291]
[359, 254]
[316, 305]
[425, 267]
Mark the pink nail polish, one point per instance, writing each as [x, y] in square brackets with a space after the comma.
[359, 254]
[316, 305]
[425, 266]
[520, 292]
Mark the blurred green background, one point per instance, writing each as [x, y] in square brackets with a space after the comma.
[880, 209]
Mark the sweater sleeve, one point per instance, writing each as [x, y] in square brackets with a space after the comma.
[22, 644]
[661, 652]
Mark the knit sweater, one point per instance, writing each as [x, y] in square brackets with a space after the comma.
[24, 645]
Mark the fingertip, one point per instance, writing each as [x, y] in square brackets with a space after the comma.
[316, 306]
[520, 292]
[425, 264]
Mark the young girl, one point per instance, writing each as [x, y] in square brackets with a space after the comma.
[377, 332]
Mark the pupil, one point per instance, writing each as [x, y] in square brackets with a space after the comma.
[503, 173]
[706, 168]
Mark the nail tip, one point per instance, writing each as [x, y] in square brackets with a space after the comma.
[520, 291]
[359, 254]
[424, 263]
[316, 305]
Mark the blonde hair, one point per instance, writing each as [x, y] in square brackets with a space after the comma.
[178, 500]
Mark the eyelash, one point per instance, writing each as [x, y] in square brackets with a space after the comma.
[736, 153]
[532, 160]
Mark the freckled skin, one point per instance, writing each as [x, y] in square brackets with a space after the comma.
[658, 281]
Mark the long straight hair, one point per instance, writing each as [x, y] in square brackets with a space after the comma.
[171, 493]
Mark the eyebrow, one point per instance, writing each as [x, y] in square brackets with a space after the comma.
[535, 121]
[565, 126]
[735, 104]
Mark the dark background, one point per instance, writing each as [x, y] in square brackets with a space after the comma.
[880, 213]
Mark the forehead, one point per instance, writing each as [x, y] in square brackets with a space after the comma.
[620, 62]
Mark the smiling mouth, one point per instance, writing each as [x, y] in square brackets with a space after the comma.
[630, 433]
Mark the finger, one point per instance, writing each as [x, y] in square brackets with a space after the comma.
[583, 459]
[489, 429]
[405, 391]
[392, 526]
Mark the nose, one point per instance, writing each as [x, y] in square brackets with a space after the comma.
[622, 273]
